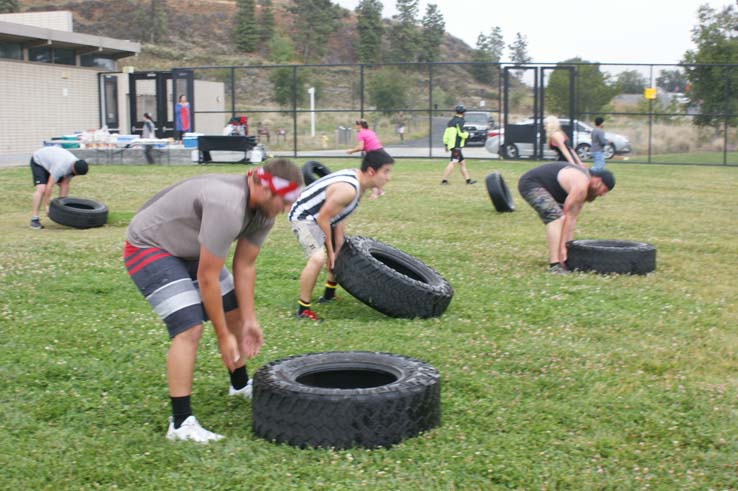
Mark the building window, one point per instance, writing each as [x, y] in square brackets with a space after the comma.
[41, 54]
[65, 56]
[98, 61]
[11, 50]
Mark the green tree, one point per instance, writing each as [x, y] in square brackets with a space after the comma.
[714, 88]
[153, 22]
[313, 22]
[488, 50]
[281, 51]
[386, 90]
[592, 92]
[431, 36]
[672, 80]
[9, 6]
[370, 29]
[266, 20]
[519, 50]
[246, 31]
[630, 82]
[404, 32]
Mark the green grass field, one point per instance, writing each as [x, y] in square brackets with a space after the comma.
[578, 382]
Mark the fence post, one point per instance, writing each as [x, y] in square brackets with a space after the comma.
[294, 111]
[726, 111]
[233, 92]
[650, 115]
[430, 110]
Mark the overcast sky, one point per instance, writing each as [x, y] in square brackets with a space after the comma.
[614, 31]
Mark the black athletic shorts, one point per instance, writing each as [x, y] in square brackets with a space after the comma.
[456, 155]
[40, 175]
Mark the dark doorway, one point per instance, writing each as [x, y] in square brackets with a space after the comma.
[109, 113]
[156, 93]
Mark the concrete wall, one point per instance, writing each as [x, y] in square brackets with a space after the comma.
[41, 100]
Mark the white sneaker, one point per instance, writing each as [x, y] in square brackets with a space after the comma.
[191, 430]
[244, 392]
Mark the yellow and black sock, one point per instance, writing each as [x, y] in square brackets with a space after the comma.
[302, 306]
[330, 290]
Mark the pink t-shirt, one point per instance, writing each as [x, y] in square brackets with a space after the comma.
[371, 142]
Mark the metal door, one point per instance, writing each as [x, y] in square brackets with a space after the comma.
[109, 112]
[524, 110]
[151, 92]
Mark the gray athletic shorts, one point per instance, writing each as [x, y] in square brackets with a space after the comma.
[309, 235]
[170, 286]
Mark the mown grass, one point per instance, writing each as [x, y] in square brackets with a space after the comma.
[549, 382]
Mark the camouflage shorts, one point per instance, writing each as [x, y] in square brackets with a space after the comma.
[545, 205]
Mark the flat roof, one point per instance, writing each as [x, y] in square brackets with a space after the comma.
[31, 36]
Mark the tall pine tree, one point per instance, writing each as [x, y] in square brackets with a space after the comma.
[313, 23]
[266, 20]
[370, 29]
[404, 32]
[432, 34]
[246, 32]
[519, 50]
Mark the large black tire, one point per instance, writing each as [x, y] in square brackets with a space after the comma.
[78, 212]
[611, 256]
[499, 193]
[345, 399]
[391, 281]
[312, 170]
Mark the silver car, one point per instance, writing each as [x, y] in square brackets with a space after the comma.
[582, 142]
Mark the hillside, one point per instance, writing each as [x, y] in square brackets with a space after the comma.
[199, 31]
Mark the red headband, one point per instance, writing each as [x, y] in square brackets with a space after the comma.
[277, 185]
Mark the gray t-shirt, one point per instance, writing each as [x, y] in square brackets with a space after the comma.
[57, 161]
[598, 140]
[209, 210]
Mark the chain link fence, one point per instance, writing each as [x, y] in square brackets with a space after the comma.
[310, 110]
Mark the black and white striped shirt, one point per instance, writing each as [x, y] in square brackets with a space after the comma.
[308, 205]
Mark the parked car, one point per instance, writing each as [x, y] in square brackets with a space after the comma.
[477, 123]
[582, 142]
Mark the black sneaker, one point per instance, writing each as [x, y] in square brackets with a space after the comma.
[471, 181]
[326, 300]
[36, 224]
[444, 183]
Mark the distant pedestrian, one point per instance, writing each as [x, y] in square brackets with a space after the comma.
[148, 131]
[49, 166]
[367, 142]
[599, 142]
[182, 118]
[454, 139]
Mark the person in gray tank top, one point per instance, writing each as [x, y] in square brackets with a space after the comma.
[557, 191]
[175, 252]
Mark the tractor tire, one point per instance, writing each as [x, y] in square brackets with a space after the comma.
[345, 399]
[499, 193]
[312, 170]
[391, 281]
[611, 256]
[78, 212]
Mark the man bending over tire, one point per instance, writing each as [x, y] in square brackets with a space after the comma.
[557, 192]
[317, 221]
[175, 250]
[49, 166]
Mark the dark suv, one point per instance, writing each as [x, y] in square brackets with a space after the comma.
[478, 124]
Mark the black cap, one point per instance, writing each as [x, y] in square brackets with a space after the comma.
[607, 178]
[460, 108]
[80, 168]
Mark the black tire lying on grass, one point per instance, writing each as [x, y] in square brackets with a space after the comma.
[389, 280]
[78, 212]
[499, 193]
[611, 256]
[312, 170]
[345, 399]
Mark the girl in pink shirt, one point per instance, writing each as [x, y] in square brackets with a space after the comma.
[367, 142]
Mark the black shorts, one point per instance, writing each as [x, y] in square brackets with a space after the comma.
[456, 155]
[40, 175]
